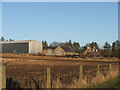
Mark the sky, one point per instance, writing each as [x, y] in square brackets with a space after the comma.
[82, 22]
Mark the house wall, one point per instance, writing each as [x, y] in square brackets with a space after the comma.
[48, 52]
[45, 51]
[58, 51]
[71, 53]
[87, 51]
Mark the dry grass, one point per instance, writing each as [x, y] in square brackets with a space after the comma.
[29, 56]
[18, 65]
[57, 84]
[96, 80]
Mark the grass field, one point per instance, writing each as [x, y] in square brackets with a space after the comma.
[112, 83]
[25, 69]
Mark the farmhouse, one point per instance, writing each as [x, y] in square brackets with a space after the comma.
[48, 50]
[60, 51]
[26, 46]
[91, 51]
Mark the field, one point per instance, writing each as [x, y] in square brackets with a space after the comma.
[112, 83]
[28, 71]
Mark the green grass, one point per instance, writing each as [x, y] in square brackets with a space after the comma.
[112, 83]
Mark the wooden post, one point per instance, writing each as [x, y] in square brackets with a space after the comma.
[48, 78]
[81, 76]
[110, 67]
[117, 67]
[98, 69]
[2, 77]
[98, 74]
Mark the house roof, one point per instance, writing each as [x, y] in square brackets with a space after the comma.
[50, 47]
[66, 49]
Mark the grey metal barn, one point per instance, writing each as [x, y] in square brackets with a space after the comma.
[26, 46]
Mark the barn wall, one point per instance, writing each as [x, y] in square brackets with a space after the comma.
[31, 47]
[15, 48]
[35, 47]
[38, 47]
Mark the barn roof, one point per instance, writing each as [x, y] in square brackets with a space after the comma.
[20, 41]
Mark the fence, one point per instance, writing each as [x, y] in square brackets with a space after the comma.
[2, 76]
[90, 72]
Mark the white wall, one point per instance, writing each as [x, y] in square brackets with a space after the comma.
[35, 46]
[38, 47]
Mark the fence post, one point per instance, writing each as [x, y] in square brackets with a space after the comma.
[110, 67]
[81, 76]
[98, 69]
[2, 77]
[48, 78]
[117, 67]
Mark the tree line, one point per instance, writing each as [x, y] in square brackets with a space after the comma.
[111, 51]
[106, 51]
[3, 39]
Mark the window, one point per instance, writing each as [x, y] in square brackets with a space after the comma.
[58, 52]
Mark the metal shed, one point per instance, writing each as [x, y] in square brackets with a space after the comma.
[25, 46]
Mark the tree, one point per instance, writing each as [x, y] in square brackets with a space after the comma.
[116, 45]
[69, 43]
[116, 49]
[55, 44]
[106, 46]
[62, 44]
[10, 39]
[76, 47]
[94, 44]
[45, 45]
[2, 39]
[106, 52]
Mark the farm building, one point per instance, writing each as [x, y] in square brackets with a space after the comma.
[91, 51]
[26, 46]
[60, 51]
[49, 50]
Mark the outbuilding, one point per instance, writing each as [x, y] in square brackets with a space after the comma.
[25, 46]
